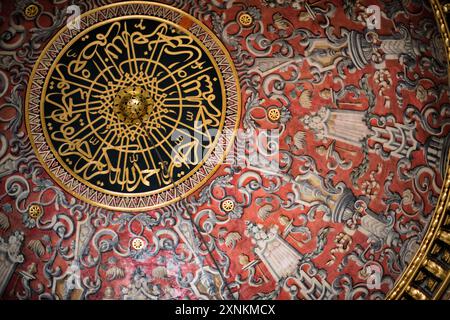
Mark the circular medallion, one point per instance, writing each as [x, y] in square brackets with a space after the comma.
[227, 205]
[135, 110]
[34, 211]
[274, 114]
[31, 11]
[138, 244]
[245, 19]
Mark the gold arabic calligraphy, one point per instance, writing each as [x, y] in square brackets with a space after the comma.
[119, 95]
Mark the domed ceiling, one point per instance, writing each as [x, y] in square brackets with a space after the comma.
[217, 149]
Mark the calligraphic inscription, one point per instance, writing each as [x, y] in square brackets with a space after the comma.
[128, 112]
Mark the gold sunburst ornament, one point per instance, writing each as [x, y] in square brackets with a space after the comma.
[31, 11]
[227, 205]
[133, 105]
[34, 211]
[127, 112]
[274, 114]
[245, 19]
[137, 244]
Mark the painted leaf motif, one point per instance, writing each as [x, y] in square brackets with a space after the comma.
[231, 239]
[159, 272]
[306, 99]
[299, 140]
[115, 273]
[265, 211]
[37, 247]
[4, 221]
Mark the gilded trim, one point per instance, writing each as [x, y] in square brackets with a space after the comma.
[428, 274]
[440, 11]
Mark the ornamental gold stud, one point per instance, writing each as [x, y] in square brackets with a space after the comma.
[31, 11]
[132, 105]
[34, 211]
[245, 19]
[274, 114]
[446, 7]
[243, 259]
[137, 244]
[227, 205]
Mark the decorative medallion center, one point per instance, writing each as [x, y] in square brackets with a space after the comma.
[133, 105]
[127, 112]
